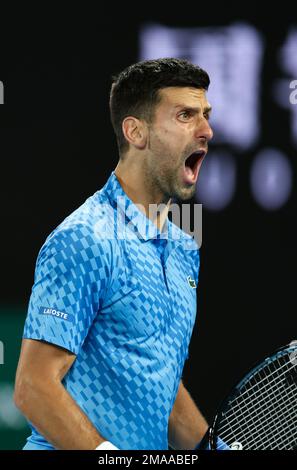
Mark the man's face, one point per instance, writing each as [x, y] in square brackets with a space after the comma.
[178, 138]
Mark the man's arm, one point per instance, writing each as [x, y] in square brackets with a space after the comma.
[41, 397]
[187, 426]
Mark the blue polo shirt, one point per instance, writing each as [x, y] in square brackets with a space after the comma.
[120, 295]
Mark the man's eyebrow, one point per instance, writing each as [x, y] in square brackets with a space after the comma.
[207, 109]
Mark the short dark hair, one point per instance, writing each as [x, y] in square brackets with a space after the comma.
[134, 91]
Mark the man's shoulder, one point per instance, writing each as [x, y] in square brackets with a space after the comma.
[95, 209]
[89, 225]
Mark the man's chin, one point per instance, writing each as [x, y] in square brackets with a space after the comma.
[184, 194]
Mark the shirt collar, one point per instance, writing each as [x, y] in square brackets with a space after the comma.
[146, 229]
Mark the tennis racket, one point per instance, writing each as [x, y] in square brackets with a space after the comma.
[261, 411]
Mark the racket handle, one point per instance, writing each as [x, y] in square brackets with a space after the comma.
[204, 443]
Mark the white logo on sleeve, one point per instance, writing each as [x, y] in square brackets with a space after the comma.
[56, 313]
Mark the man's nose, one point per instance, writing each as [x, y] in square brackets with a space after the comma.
[204, 131]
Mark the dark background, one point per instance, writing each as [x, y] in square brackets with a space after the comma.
[57, 148]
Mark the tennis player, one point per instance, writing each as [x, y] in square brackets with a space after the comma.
[113, 303]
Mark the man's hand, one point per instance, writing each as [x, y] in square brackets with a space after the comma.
[221, 445]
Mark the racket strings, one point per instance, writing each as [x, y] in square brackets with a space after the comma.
[255, 432]
[253, 381]
[264, 436]
[273, 439]
[272, 409]
[264, 414]
[253, 401]
[251, 394]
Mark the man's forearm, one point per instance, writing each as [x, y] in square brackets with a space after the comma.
[54, 413]
[187, 426]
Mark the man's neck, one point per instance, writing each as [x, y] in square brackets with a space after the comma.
[134, 184]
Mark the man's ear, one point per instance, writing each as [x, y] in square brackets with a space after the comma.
[135, 131]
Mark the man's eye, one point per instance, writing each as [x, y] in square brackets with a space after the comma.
[185, 115]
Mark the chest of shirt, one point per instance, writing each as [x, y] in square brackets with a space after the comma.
[149, 292]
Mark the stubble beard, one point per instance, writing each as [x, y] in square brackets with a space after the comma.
[164, 177]
[167, 181]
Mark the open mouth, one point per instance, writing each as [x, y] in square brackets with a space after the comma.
[192, 166]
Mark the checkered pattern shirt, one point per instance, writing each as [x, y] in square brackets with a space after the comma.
[120, 295]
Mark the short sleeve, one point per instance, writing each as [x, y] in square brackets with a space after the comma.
[71, 278]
